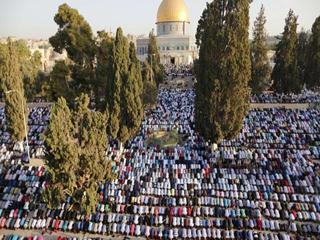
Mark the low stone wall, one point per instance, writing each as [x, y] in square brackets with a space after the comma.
[279, 105]
[34, 104]
[252, 105]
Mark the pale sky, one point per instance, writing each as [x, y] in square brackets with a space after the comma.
[34, 18]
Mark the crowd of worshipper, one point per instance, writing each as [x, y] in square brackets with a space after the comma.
[38, 119]
[181, 70]
[40, 237]
[306, 96]
[18, 237]
[264, 184]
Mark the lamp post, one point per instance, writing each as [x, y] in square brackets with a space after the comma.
[24, 119]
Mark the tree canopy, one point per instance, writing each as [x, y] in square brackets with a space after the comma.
[261, 69]
[313, 68]
[124, 91]
[302, 55]
[285, 71]
[60, 78]
[30, 65]
[104, 67]
[76, 142]
[132, 111]
[11, 76]
[154, 60]
[119, 74]
[75, 36]
[222, 93]
[150, 89]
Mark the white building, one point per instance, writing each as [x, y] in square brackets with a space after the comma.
[48, 55]
[175, 44]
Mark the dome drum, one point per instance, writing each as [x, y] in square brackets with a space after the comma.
[173, 28]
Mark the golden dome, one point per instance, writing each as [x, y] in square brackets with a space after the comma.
[173, 11]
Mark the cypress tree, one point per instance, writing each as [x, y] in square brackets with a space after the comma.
[114, 105]
[119, 74]
[93, 168]
[76, 143]
[62, 155]
[222, 92]
[104, 53]
[135, 63]
[132, 113]
[261, 69]
[302, 56]
[132, 108]
[313, 68]
[154, 60]
[150, 90]
[285, 71]
[12, 80]
[3, 63]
